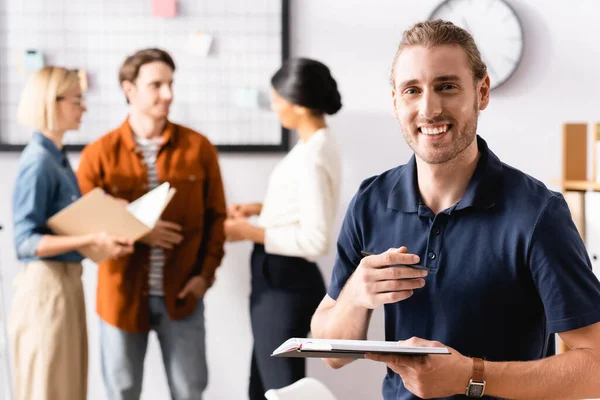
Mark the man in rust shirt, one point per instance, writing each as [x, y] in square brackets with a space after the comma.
[161, 285]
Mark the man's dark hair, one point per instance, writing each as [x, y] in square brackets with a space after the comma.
[130, 69]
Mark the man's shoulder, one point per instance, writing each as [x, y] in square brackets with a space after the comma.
[191, 136]
[195, 145]
[522, 188]
[107, 141]
[378, 187]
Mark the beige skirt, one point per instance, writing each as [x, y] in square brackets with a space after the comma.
[48, 333]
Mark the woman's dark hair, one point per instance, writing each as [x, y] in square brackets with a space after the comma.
[308, 83]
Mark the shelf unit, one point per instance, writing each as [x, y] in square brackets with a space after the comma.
[575, 158]
[575, 181]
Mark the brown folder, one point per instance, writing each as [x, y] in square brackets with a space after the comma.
[99, 212]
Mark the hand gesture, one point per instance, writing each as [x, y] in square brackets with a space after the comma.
[429, 376]
[378, 280]
[112, 246]
[235, 228]
[165, 234]
[244, 210]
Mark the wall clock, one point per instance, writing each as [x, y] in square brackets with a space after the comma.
[496, 29]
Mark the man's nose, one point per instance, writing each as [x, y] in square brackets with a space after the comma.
[166, 93]
[431, 105]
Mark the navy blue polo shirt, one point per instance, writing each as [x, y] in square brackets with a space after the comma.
[507, 265]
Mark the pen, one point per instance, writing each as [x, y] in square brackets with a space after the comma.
[415, 266]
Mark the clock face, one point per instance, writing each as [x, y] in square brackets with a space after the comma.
[495, 28]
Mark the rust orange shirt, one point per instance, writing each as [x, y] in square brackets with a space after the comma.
[189, 162]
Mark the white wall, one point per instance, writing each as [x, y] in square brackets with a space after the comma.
[556, 82]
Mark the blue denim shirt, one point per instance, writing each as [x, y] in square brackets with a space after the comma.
[45, 185]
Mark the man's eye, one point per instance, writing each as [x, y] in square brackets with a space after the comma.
[448, 86]
[410, 91]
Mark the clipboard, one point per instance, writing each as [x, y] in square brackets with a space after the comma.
[99, 212]
[337, 348]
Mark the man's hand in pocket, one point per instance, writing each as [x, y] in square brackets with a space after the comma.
[197, 286]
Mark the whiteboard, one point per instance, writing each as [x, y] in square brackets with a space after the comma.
[250, 40]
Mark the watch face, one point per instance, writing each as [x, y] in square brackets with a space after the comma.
[496, 29]
[475, 389]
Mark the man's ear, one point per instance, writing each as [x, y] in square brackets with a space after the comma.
[128, 88]
[394, 100]
[483, 92]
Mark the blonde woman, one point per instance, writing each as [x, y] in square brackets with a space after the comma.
[47, 324]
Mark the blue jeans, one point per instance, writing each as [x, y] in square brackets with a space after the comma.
[182, 345]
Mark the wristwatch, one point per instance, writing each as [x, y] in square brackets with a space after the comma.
[476, 385]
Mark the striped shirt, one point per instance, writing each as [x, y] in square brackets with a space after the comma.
[149, 148]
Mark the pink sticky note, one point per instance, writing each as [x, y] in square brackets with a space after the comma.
[164, 8]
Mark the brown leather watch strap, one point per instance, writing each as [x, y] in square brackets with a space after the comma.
[478, 367]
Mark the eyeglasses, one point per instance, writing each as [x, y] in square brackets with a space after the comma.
[78, 101]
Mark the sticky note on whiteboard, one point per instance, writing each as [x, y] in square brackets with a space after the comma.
[199, 43]
[164, 8]
[247, 97]
[33, 60]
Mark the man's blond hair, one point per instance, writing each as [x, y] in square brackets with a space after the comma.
[438, 33]
[37, 107]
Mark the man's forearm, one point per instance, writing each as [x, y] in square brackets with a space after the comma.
[341, 321]
[571, 375]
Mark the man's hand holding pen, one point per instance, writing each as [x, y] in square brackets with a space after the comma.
[374, 283]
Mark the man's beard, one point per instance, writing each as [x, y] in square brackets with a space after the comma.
[443, 154]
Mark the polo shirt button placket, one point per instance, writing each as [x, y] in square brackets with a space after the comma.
[434, 244]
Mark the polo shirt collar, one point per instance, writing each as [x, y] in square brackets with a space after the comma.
[483, 190]
[405, 194]
[486, 184]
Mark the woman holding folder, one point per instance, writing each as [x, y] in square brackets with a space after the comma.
[47, 323]
[295, 222]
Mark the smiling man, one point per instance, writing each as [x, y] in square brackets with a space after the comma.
[161, 286]
[507, 267]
